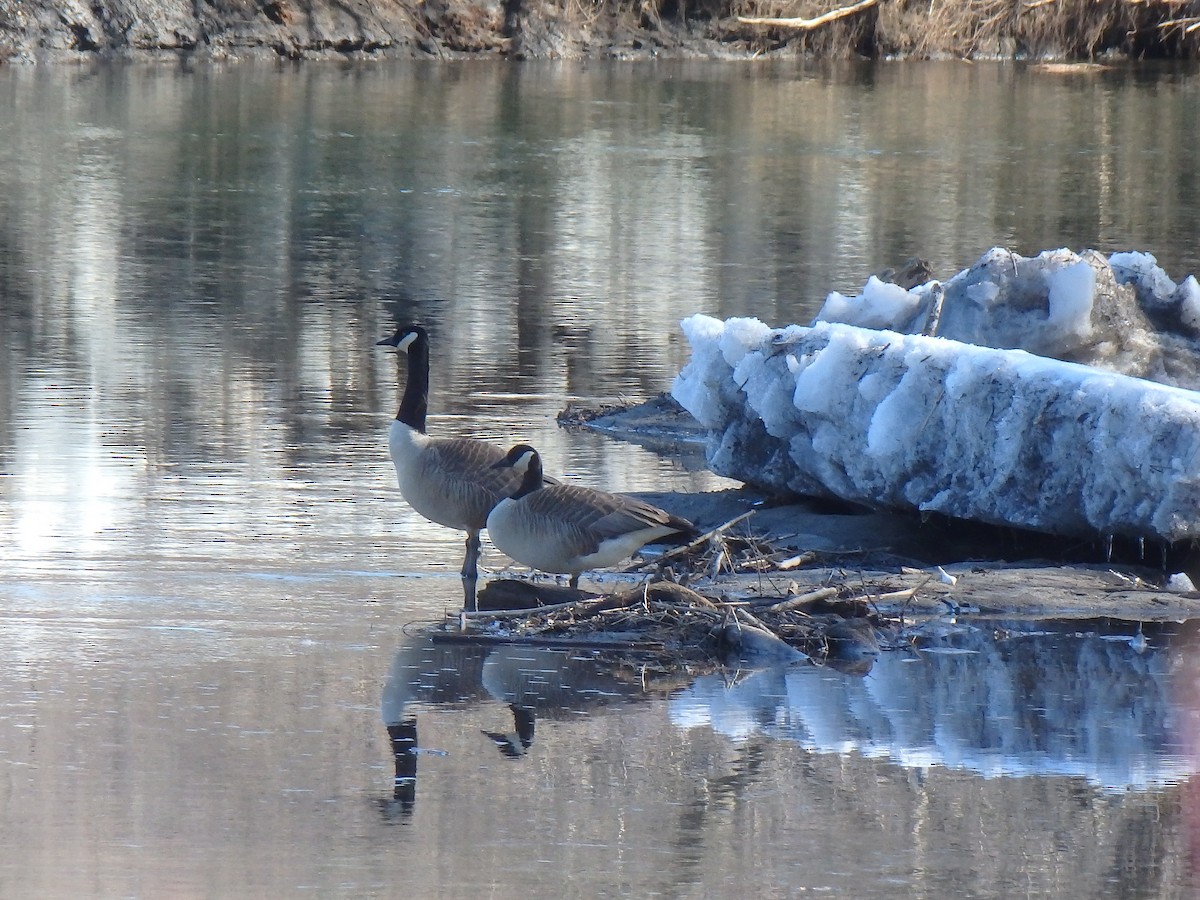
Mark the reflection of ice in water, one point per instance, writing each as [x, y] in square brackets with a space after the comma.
[1029, 705]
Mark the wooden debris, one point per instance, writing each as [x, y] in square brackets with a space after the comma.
[837, 623]
[520, 613]
[665, 622]
[793, 562]
[895, 596]
[508, 593]
[802, 600]
[809, 24]
[451, 637]
[678, 552]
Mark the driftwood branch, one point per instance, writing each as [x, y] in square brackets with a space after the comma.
[524, 613]
[809, 24]
[752, 620]
[893, 596]
[796, 561]
[601, 643]
[688, 548]
[811, 597]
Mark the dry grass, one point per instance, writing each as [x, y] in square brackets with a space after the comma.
[1030, 29]
[1068, 29]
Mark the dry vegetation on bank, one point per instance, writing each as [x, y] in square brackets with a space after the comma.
[1075, 30]
[1031, 29]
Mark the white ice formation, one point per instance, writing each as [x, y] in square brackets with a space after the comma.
[903, 420]
[1122, 314]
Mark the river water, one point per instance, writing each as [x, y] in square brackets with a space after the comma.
[213, 678]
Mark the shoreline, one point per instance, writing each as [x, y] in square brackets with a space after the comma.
[1070, 31]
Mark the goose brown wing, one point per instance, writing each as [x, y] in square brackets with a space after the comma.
[466, 457]
[469, 458]
[591, 517]
[463, 471]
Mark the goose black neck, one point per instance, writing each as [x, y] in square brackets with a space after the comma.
[414, 405]
[532, 479]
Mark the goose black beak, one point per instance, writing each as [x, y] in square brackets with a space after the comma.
[386, 342]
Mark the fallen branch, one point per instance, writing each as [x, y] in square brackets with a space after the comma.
[795, 561]
[452, 637]
[809, 24]
[748, 618]
[811, 597]
[892, 596]
[530, 611]
[688, 548]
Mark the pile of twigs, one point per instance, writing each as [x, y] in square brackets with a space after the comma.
[725, 550]
[843, 619]
[834, 622]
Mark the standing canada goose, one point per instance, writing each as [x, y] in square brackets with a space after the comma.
[566, 528]
[451, 481]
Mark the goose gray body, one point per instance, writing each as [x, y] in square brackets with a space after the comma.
[451, 481]
[568, 529]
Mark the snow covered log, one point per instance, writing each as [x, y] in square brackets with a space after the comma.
[907, 421]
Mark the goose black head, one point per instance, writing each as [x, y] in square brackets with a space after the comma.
[522, 457]
[526, 462]
[405, 337]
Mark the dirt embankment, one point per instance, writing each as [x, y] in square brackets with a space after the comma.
[32, 30]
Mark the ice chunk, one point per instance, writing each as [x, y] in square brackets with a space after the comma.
[895, 420]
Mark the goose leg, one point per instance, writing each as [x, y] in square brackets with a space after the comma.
[470, 571]
[574, 582]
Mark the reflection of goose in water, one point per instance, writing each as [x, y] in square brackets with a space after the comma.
[526, 683]
[403, 738]
[516, 743]
[567, 528]
[434, 674]
[450, 481]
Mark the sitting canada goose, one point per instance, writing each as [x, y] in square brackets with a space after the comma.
[450, 481]
[566, 528]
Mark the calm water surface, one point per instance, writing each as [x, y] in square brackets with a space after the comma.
[207, 686]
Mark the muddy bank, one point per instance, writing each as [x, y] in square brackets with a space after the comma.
[34, 30]
[991, 571]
